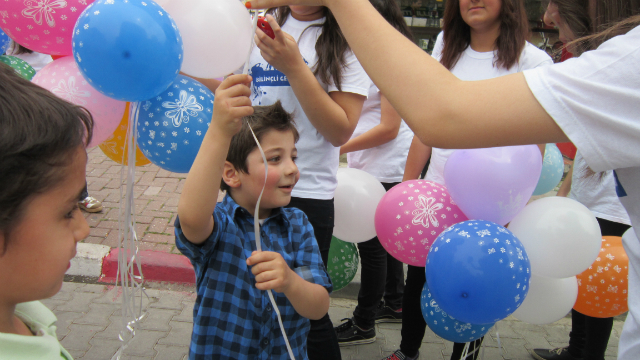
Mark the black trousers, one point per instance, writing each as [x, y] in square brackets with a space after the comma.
[589, 335]
[322, 342]
[382, 276]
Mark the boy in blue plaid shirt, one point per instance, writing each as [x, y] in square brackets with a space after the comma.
[233, 317]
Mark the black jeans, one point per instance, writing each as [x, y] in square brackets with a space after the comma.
[382, 275]
[85, 192]
[322, 342]
[589, 336]
[413, 324]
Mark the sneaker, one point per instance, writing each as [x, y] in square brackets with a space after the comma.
[399, 355]
[385, 314]
[553, 354]
[351, 334]
[90, 204]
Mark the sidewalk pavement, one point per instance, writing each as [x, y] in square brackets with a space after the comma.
[89, 320]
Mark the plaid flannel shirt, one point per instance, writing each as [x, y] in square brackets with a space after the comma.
[231, 318]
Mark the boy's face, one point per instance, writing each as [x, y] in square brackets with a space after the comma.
[280, 150]
[44, 241]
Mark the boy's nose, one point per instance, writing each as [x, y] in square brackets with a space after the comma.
[548, 20]
[82, 230]
[291, 168]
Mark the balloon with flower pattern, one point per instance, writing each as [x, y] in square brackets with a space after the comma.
[343, 263]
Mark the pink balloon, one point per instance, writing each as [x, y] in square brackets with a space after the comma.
[410, 217]
[493, 184]
[43, 26]
[63, 78]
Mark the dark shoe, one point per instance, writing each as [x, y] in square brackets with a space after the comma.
[399, 355]
[553, 354]
[351, 334]
[385, 314]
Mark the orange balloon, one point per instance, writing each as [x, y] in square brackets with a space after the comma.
[115, 146]
[602, 288]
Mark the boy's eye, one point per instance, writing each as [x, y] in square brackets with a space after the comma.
[274, 159]
[69, 215]
[294, 158]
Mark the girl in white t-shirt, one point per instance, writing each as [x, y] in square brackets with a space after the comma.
[310, 69]
[480, 41]
[379, 146]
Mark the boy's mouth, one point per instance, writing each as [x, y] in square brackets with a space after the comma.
[287, 187]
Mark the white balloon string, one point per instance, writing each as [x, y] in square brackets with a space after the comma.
[256, 229]
[465, 351]
[498, 339]
[128, 244]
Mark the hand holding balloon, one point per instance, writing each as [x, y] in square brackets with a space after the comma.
[231, 103]
[282, 51]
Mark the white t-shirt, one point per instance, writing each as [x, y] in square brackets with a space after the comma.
[473, 65]
[385, 162]
[35, 59]
[595, 99]
[318, 160]
[597, 193]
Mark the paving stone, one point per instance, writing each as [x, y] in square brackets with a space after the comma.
[79, 302]
[157, 319]
[144, 342]
[180, 334]
[79, 336]
[98, 315]
[65, 318]
[102, 348]
[171, 352]
[169, 300]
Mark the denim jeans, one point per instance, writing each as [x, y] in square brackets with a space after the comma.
[322, 342]
[382, 275]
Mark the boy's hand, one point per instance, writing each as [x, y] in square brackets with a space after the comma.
[231, 104]
[271, 271]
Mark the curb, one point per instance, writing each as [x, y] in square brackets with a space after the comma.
[99, 263]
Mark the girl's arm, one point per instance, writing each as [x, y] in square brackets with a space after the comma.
[334, 115]
[380, 134]
[442, 110]
[419, 154]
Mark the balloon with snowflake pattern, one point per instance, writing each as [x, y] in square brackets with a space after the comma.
[172, 125]
[21, 67]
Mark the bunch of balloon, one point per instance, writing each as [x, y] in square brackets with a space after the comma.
[42, 26]
[343, 263]
[172, 125]
[20, 66]
[63, 78]
[603, 287]
[5, 41]
[411, 215]
[478, 272]
[355, 200]
[116, 146]
[562, 238]
[552, 170]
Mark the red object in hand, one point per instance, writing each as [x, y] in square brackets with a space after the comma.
[266, 28]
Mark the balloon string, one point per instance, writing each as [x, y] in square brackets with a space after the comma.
[498, 338]
[256, 219]
[128, 245]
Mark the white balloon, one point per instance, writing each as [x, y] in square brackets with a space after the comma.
[561, 236]
[548, 300]
[216, 34]
[355, 201]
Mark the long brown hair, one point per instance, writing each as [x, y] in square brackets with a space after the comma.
[390, 11]
[514, 30]
[331, 45]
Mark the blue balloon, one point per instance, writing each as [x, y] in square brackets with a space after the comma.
[127, 50]
[171, 125]
[443, 325]
[4, 42]
[478, 272]
[552, 170]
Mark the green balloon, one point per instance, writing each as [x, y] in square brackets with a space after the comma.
[20, 66]
[343, 262]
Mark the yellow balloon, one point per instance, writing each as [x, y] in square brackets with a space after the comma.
[115, 146]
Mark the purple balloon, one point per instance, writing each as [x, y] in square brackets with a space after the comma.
[493, 184]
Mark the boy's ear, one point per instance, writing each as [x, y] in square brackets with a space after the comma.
[230, 175]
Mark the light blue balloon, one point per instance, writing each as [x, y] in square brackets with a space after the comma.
[443, 325]
[127, 50]
[172, 125]
[4, 42]
[478, 272]
[552, 170]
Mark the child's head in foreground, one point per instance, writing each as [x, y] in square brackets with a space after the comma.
[42, 162]
[243, 174]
